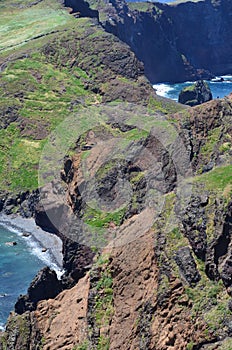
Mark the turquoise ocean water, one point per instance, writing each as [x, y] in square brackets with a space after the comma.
[219, 89]
[18, 266]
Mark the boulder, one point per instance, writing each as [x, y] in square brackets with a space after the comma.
[187, 266]
[195, 94]
[44, 286]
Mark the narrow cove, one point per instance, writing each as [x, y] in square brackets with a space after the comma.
[20, 263]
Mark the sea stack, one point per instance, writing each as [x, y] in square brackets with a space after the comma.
[195, 94]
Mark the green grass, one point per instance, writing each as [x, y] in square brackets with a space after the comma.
[140, 6]
[18, 26]
[217, 179]
[19, 159]
[137, 177]
[83, 346]
[103, 310]
[45, 88]
[100, 219]
[45, 93]
[164, 106]
[41, 93]
[135, 134]
[211, 142]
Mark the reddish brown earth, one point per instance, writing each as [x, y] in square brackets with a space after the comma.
[63, 321]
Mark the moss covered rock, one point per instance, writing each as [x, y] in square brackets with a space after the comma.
[195, 94]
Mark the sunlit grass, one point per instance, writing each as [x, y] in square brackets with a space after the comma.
[18, 25]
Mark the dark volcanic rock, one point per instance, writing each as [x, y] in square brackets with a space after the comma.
[51, 210]
[195, 94]
[165, 38]
[187, 266]
[81, 8]
[77, 258]
[194, 224]
[21, 333]
[23, 203]
[219, 255]
[9, 114]
[44, 286]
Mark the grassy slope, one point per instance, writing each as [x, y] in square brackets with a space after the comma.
[19, 25]
[40, 89]
[41, 92]
[38, 92]
[148, 6]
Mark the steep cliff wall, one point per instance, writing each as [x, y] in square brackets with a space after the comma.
[160, 277]
[161, 283]
[177, 42]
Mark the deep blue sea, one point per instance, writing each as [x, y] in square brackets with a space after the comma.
[18, 266]
[219, 89]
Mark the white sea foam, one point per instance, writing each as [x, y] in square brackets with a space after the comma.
[19, 225]
[218, 88]
[226, 76]
[3, 296]
[46, 257]
[162, 89]
[227, 79]
[2, 328]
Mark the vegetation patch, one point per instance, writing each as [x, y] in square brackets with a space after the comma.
[41, 95]
[19, 25]
[217, 179]
[140, 6]
[104, 307]
[100, 219]
[19, 160]
[210, 301]
[212, 140]
[164, 106]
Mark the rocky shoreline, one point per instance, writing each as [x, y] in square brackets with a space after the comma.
[49, 244]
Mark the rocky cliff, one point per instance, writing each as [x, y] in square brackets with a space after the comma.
[159, 281]
[176, 42]
[138, 188]
[195, 94]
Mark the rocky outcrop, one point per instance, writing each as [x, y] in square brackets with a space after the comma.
[218, 263]
[21, 333]
[63, 329]
[206, 130]
[150, 286]
[44, 286]
[136, 276]
[194, 223]
[195, 94]
[187, 266]
[23, 203]
[81, 8]
[165, 39]
[9, 115]
[77, 260]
